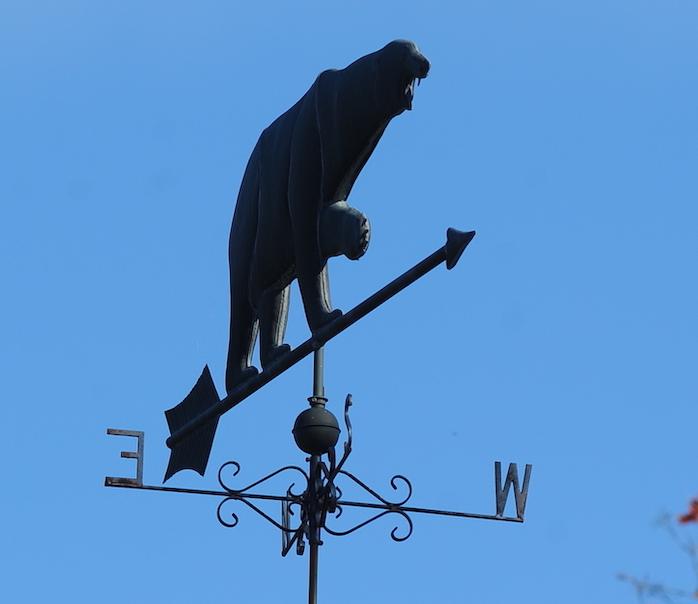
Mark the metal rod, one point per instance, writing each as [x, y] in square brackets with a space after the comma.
[355, 504]
[315, 482]
[318, 374]
[413, 510]
[312, 574]
[314, 343]
[228, 494]
[314, 486]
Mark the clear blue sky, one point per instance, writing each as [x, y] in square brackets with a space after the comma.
[565, 133]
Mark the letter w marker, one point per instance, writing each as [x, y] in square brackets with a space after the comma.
[502, 493]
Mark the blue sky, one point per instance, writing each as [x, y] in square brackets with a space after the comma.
[565, 133]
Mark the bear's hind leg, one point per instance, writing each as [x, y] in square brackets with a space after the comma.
[273, 316]
[243, 334]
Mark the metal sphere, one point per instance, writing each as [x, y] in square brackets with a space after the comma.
[316, 430]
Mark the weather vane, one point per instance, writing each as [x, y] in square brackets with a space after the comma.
[291, 217]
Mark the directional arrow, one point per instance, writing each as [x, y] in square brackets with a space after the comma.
[193, 422]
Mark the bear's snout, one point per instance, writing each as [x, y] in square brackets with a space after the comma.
[418, 64]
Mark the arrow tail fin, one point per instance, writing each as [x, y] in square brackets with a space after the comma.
[193, 452]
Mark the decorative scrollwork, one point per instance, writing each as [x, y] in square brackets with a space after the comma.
[320, 501]
[347, 422]
[242, 495]
[234, 522]
[347, 445]
[287, 540]
[392, 507]
[236, 465]
[234, 516]
[393, 534]
[393, 483]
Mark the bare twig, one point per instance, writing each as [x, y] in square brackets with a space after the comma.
[647, 590]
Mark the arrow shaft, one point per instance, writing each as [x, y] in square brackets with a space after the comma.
[382, 295]
[315, 342]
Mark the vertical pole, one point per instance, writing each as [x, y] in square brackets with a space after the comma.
[318, 373]
[314, 536]
[315, 480]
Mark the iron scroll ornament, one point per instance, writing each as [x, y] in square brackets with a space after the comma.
[327, 500]
[243, 495]
[322, 498]
[322, 503]
[391, 508]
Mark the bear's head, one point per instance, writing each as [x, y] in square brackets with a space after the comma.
[399, 65]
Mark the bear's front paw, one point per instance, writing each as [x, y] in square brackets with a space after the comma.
[361, 244]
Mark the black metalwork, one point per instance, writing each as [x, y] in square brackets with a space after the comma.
[242, 495]
[291, 217]
[193, 422]
[321, 501]
[292, 214]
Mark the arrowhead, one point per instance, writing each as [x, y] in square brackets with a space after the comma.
[456, 242]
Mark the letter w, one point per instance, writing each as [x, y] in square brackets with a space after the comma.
[502, 493]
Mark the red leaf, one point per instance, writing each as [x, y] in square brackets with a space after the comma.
[692, 515]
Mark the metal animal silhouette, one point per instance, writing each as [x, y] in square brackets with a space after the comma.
[292, 214]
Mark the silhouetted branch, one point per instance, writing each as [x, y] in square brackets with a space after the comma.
[648, 591]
